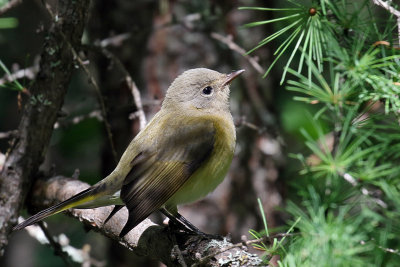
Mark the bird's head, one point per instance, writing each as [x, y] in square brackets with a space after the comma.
[201, 89]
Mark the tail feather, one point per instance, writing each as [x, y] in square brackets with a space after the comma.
[82, 197]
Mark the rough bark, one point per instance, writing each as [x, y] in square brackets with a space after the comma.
[40, 113]
[147, 239]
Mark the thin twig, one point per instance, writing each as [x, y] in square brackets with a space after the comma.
[99, 98]
[9, 134]
[349, 178]
[390, 250]
[137, 99]
[94, 84]
[56, 246]
[2, 161]
[61, 244]
[233, 46]
[9, 5]
[242, 121]
[116, 40]
[131, 85]
[29, 73]
[387, 5]
[96, 114]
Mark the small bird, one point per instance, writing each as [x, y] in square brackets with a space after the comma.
[180, 156]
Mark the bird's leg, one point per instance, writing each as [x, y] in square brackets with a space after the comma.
[176, 219]
[185, 225]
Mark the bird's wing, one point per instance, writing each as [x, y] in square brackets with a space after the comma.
[160, 170]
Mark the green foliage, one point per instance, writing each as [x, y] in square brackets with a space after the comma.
[328, 238]
[15, 85]
[373, 72]
[308, 28]
[348, 186]
[8, 23]
[276, 247]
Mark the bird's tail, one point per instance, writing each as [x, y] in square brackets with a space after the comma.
[85, 196]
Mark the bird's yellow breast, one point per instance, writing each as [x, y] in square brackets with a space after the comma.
[211, 173]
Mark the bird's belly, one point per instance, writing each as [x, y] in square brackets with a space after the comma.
[205, 179]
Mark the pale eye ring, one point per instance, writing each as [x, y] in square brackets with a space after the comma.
[207, 91]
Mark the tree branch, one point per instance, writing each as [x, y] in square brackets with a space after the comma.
[9, 5]
[147, 239]
[29, 73]
[93, 81]
[388, 6]
[61, 245]
[40, 113]
[363, 189]
[234, 47]
[137, 99]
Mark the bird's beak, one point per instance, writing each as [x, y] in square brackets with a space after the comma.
[230, 77]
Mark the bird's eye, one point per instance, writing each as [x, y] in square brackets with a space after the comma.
[207, 90]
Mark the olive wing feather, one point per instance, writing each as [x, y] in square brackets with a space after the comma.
[159, 171]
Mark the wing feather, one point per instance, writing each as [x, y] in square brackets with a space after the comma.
[158, 172]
